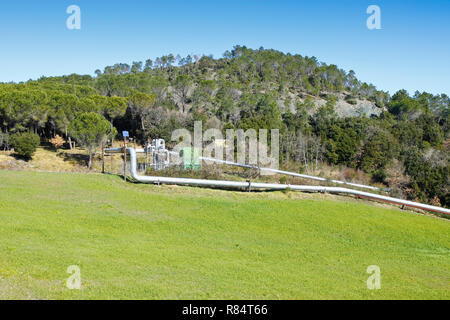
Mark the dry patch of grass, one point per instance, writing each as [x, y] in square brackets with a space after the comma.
[47, 160]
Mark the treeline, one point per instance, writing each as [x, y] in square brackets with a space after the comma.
[406, 147]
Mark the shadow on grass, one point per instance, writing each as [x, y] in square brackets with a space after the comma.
[81, 159]
[20, 157]
[48, 147]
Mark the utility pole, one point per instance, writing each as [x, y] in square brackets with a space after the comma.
[112, 157]
[125, 135]
[125, 158]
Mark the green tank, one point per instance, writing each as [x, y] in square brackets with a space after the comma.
[190, 158]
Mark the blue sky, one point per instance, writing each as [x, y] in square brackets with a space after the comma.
[411, 51]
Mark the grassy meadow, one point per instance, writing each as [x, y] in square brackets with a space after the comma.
[136, 241]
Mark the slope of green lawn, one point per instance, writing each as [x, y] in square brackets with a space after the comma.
[135, 241]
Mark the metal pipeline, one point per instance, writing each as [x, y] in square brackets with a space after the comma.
[271, 186]
[288, 173]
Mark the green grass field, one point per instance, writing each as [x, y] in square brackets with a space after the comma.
[135, 241]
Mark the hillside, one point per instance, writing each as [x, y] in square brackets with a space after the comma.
[135, 241]
[325, 115]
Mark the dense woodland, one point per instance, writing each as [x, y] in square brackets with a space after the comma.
[405, 146]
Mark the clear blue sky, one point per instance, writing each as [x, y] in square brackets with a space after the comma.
[412, 51]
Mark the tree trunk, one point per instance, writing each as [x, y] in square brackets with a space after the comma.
[142, 123]
[69, 139]
[90, 160]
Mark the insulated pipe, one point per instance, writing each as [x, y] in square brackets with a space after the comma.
[288, 173]
[273, 186]
[304, 176]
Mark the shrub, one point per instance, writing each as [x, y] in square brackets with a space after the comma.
[283, 180]
[351, 100]
[25, 144]
[57, 142]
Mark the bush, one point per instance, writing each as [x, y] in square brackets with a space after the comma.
[57, 142]
[25, 144]
[351, 100]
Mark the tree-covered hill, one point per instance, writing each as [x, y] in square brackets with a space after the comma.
[325, 114]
